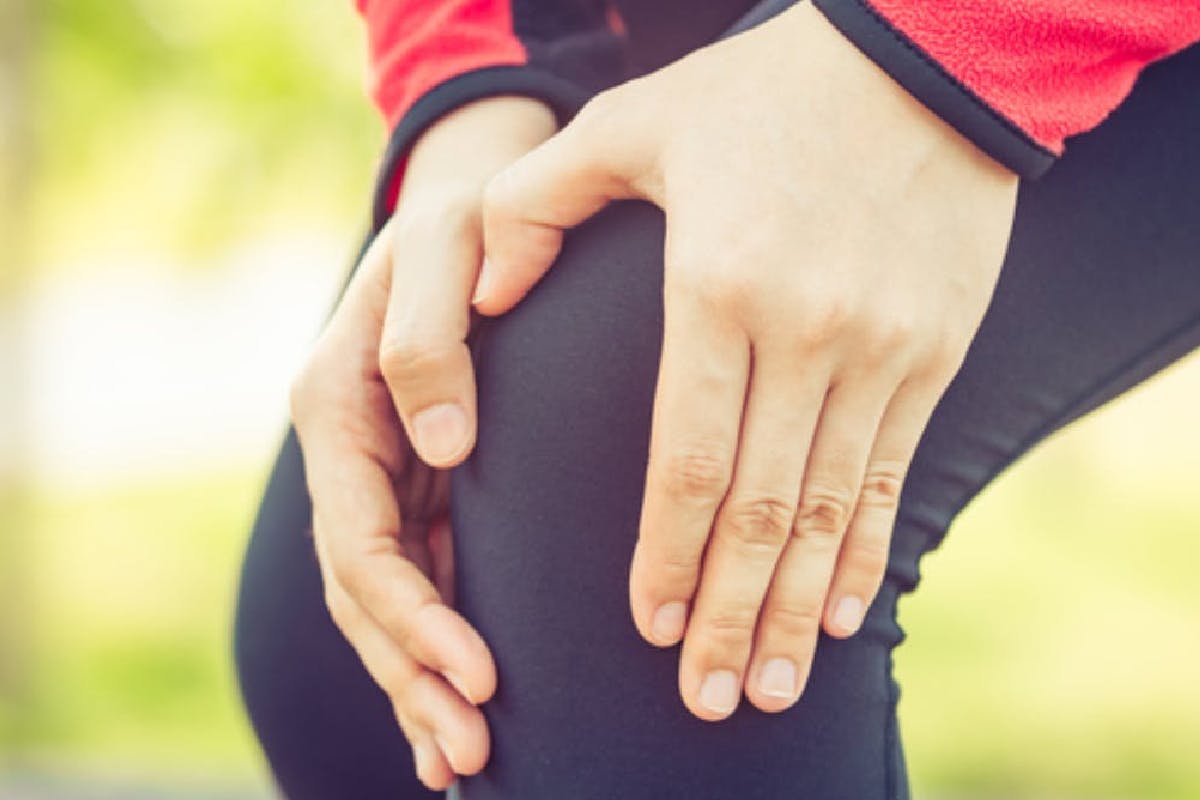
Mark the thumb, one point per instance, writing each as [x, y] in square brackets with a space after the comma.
[568, 178]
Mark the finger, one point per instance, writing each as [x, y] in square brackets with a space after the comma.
[864, 554]
[423, 355]
[595, 159]
[402, 679]
[458, 728]
[352, 496]
[791, 615]
[697, 413]
[752, 526]
[433, 768]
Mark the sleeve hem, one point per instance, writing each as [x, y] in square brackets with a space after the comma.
[939, 91]
[563, 97]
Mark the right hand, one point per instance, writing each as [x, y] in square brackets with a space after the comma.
[392, 372]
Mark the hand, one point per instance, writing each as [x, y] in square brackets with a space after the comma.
[831, 249]
[379, 513]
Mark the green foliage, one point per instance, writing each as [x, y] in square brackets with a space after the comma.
[134, 599]
[186, 126]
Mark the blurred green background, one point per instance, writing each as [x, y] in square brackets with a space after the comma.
[183, 183]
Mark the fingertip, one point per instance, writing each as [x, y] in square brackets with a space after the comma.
[668, 623]
[471, 747]
[711, 695]
[462, 657]
[443, 434]
[432, 766]
[845, 617]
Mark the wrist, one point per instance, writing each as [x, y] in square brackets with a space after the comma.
[456, 156]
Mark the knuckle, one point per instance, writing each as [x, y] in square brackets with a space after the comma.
[697, 471]
[943, 358]
[759, 522]
[599, 110]
[792, 621]
[824, 512]
[889, 335]
[868, 555]
[883, 484]
[407, 359]
[675, 568]
[496, 195]
[729, 629]
[822, 321]
[300, 399]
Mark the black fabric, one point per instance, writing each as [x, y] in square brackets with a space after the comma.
[1101, 287]
[941, 92]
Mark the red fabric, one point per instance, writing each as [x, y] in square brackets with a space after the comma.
[1053, 67]
[416, 44]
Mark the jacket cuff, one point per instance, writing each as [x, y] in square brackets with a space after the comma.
[943, 94]
[564, 98]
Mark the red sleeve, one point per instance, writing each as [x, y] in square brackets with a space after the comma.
[1045, 69]
[414, 45]
[1054, 67]
[428, 57]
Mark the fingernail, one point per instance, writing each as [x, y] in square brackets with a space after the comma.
[459, 684]
[483, 284]
[668, 622]
[848, 614]
[719, 692]
[440, 431]
[778, 678]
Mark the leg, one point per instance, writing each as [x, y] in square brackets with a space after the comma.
[1100, 289]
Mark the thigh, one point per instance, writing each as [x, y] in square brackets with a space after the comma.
[326, 729]
[1101, 287]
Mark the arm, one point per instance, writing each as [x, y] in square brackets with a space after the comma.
[1017, 77]
[428, 57]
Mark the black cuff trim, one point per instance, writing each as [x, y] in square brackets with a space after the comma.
[938, 90]
[564, 97]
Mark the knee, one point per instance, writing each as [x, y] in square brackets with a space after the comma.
[576, 361]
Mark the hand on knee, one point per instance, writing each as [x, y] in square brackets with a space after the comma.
[820, 293]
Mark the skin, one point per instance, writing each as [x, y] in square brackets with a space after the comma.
[380, 513]
[831, 250]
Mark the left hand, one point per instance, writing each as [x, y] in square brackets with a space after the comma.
[831, 249]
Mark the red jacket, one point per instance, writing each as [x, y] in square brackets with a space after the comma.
[1017, 77]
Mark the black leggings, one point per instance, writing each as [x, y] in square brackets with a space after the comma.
[1101, 288]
